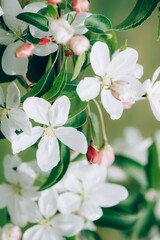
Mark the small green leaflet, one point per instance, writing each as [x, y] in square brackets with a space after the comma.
[98, 23]
[79, 63]
[77, 121]
[77, 106]
[35, 19]
[59, 171]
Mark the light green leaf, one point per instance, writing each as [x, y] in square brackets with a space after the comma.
[98, 23]
[142, 10]
[59, 171]
[77, 106]
[35, 19]
[78, 66]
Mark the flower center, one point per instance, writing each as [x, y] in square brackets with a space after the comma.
[85, 194]
[49, 132]
[3, 112]
[107, 79]
[46, 224]
[16, 188]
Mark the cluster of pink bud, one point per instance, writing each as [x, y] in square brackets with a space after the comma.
[79, 44]
[80, 5]
[25, 50]
[53, 2]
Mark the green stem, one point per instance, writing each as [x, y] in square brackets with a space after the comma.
[89, 124]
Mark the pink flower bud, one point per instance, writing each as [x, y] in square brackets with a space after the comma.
[79, 44]
[24, 51]
[45, 41]
[80, 5]
[68, 54]
[92, 154]
[53, 2]
[11, 232]
[106, 156]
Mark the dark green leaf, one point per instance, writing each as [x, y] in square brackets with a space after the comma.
[98, 23]
[77, 106]
[77, 121]
[35, 19]
[58, 85]
[78, 66]
[142, 10]
[59, 171]
[71, 238]
[70, 87]
[3, 217]
[90, 235]
[1, 135]
[49, 11]
[111, 42]
[153, 167]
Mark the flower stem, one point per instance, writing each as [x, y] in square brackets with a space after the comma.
[89, 124]
[102, 121]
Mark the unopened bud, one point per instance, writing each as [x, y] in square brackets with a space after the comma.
[80, 5]
[68, 54]
[92, 154]
[106, 156]
[79, 44]
[45, 41]
[53, 2]
[24, 51]
[11, 232]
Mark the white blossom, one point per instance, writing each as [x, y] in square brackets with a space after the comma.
[10, 232]
[116, 78]
[1, 11]
[11, 116]
[53, 117]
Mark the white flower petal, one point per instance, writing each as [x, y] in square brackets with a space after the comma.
[34, 233]
[8, 129]
[2, 99]
[37, 109]
[155, 106]
[91, 211]
[72, 138]
[100, 58]
[48, 154]
[72, 184]
[69, 202]
[11, 7]
[139, 70]
[34, 7]
[59, 111]
[1, 11]
[109, 195]
[45, 50]
[48, 202]
[5, 37]
[12, 65]
[27, 175]
[37, 33]
[111, 104]
[20, 120]
[88, 88]
[68, 225]
[30, 210]
[51, 235]
[13, 96]
[23, 141]
[11, 162]
[155, 75]
[5, 192]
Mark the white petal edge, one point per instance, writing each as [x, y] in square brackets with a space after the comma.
[13, 96]
[69, 202]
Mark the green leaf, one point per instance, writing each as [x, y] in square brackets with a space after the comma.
[35, 19]
[3, 217]
[59, 171]
[70, 87]
[63, 5]
[90, 235]
[117, 219]
[49, 11]
[111, 42]
[71, 238]
[77, 106]
[70, 18]
[153, 167]
[58, 85]
[142, 10]
[98, 23]
[78, 66]
[77, 121]
[4, 77]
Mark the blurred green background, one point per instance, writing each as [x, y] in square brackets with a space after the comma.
[144, 40]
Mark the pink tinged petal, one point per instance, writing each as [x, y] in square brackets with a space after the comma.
[8, 129]
[12, 65]
[5, 193]
[123, 63]
[23, 141]
[45, 50]
[67, 225]
[91, 211]
[20, 120]
[100, 58]
[5, 37]
[48, 203]
[34, 233]
[37, 109]
[59, 111]
[88, 88]
[108, 195]
[48, 154]
[111, 104]
[69, 202]
[72, 138]
[155, 75]
[13, 96]
[1, 97]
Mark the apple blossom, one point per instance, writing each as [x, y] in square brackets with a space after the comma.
[61, 30]
[18, 194]
[106, 156]
[79, 44]
[53, 2]
[80, 5]
[51, 225]
[24, 51]
[11, 116]
[10, 232]
[116, 78]
[53, 116]
[152, 88]
[86, 191]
